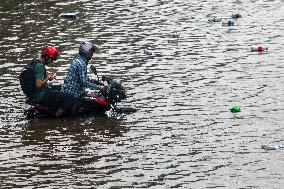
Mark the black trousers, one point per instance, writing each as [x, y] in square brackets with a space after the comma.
[56, 99]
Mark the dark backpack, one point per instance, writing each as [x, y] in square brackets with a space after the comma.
[27, 80]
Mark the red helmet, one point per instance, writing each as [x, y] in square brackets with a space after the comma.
[49, 51]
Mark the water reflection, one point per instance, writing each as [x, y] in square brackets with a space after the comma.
[80, 131]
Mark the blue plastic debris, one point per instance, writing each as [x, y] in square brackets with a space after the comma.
[228, 23]
[68, 15]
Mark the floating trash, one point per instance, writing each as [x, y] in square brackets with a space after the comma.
[235, 109]
[68, 15]
[173, 41]
[259, 48]
[236, 16]
[268, 147]
[149, 51]
[175, 35]
[174, 38]
[214, 19]
[228, 23]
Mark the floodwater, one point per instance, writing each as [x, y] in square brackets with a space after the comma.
[184, 135]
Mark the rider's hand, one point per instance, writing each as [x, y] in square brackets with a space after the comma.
[97, 82]
[104, 89]
[50, 77]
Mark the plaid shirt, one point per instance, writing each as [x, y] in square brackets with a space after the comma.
[77, 80]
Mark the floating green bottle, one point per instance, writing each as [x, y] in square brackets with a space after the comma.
[235, 109]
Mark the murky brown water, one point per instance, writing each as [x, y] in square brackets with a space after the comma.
[183, 135]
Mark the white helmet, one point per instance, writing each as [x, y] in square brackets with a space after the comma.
[87, 49]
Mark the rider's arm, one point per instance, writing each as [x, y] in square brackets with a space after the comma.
[40, 73]
[40, 83]
[85, 79]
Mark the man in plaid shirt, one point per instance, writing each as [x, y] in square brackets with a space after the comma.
[77, 80]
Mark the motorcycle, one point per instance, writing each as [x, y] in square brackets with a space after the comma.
[92, 103]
